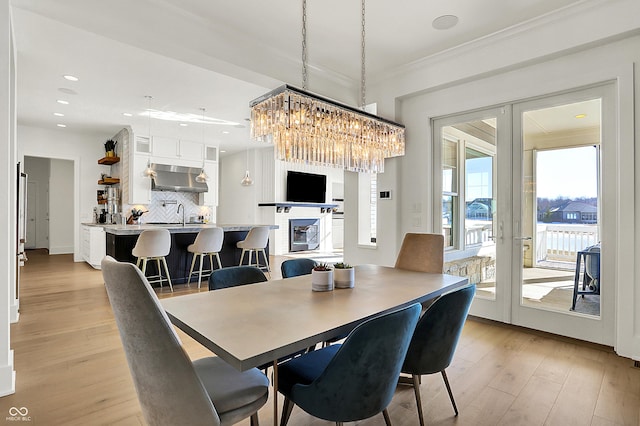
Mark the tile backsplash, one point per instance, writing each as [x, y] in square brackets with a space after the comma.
[164, 208]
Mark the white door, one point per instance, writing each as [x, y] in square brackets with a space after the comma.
[475, 198]
[563, 230]
[32, 209]
[494, 223]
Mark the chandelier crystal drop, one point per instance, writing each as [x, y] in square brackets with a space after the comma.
[308, 128]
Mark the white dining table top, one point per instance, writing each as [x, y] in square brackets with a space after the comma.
[254, 324]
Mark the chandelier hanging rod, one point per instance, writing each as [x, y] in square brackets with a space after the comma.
[290, 88]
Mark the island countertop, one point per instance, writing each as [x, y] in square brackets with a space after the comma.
[120, 240]
[172, 227]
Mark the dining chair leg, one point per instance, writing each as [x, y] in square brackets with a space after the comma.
[387, 419]
[138, 262]
[144, 265]
[166, 270]
[193, 263]
[416, 390]
[242, 256]
[219, 263]
[446, 382]
[287, 407]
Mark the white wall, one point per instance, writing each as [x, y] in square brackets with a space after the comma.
[8, 159]
[84, 150]
[61, 207]
[563, 52]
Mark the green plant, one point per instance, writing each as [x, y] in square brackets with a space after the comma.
[110, 145]
[342, 265]
[322, 267]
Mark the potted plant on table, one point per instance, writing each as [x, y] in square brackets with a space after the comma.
[322, 277]
[343, 275]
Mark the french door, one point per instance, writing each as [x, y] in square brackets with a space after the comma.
[523, 194]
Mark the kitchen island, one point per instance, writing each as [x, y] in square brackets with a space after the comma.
[120, 240]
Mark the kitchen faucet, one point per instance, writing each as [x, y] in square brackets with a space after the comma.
[180, 205]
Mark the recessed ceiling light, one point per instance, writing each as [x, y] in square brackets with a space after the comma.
[445, 22]
[222, 150]
[61, 125]
[71, 77]
[581, 115]
[225, 132]
[58, 114]
[67, 91]
[63, 102]
[183, 124]
[127, 114]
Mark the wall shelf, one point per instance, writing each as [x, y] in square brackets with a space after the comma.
[108, 181]
[286, 207]
[107, 161]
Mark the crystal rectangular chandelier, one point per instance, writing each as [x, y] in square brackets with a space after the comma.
[307, 128]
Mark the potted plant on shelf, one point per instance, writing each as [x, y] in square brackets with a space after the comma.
[343, 275]
[110, 148]
[322, 277]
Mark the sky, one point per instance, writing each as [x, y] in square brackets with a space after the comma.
[569, 173]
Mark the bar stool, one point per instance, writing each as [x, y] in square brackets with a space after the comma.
[153, 244]
[208, 242]
[256, 241]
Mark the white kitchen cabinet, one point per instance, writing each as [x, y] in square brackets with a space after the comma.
[177, 148]
[210, 198]
[139, 184]
[94, 246]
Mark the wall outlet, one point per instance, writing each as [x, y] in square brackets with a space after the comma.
[385, 195]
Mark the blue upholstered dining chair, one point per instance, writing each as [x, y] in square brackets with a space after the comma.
[235, 275]
[354, 380]
[435, 339]
[172, 389]
[296, 267]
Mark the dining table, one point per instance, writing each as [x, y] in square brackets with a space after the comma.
[257, 324]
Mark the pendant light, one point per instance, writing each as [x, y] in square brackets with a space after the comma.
[149, 172]
[308, 128]
[202, 177]
[246, 180]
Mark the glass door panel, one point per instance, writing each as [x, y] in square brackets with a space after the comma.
[558, 215]
[470, 207]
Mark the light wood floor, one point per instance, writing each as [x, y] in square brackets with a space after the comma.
[71, 370]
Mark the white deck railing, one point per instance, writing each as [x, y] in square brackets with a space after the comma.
[563, 242]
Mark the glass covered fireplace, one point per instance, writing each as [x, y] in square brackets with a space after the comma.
[304, 234]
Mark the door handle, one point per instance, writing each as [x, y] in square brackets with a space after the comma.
[522, 238]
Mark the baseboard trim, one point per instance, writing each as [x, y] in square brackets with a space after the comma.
[7, 378]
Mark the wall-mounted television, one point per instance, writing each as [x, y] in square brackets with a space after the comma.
[306, 187]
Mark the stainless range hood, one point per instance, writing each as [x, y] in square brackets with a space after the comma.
[176, 179]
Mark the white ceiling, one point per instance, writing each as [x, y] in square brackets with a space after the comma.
[219, 54]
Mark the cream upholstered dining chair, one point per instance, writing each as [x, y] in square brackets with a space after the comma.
[172, 389]
[208, 242]
[256, 241]
[153, 244]
[421, 253]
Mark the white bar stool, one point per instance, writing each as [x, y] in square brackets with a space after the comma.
[208, 242]
[153, 244]
[256, 241]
